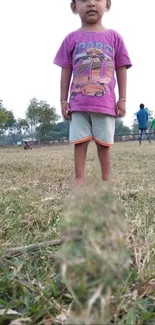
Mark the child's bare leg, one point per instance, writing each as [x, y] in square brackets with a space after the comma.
[104, 157]
[80, 153]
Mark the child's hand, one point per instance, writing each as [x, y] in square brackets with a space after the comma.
[121, 108]
[65, 109]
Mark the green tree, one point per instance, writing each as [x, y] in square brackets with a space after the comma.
[7, 120]
[62, 130]
[22, 126]
[150, 113]
[3, 117]
[42, 118]
[134, 127]
[120, 128]
[47, 118]
[1, 103]
[62, 126]
[32, 114]
[10, 126]
[10, 122]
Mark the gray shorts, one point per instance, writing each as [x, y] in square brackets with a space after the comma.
[87, 126]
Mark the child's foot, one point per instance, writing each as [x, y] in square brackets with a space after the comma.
[105, 177]
[78, 182]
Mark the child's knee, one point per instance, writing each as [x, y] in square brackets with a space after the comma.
[103, 147]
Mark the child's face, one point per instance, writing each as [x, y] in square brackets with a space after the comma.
[90, 11]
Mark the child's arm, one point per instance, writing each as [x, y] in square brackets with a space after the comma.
[122, 84]
[64, 89]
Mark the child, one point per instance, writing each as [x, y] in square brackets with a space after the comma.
[27, 146]
[91, 55]
[142, 117]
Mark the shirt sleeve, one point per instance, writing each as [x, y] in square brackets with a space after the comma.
[63, 57]
[121, 54]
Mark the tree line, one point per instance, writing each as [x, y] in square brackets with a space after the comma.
[41, 123]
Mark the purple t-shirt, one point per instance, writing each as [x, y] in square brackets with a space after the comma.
[93, 57]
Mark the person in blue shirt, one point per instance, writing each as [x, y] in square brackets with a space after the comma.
[142, 117]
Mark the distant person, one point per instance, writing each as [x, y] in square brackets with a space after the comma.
[142, 117]
[90, 56]
[153, 127]
[27, 146]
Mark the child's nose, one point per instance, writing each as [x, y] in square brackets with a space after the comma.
[91, 3]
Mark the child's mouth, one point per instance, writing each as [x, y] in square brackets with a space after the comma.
[91, 12]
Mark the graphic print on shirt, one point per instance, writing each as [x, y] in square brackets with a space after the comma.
[94, 70]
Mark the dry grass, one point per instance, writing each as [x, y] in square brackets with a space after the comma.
[33, 185]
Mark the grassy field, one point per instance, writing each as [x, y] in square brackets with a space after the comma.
[33, 186]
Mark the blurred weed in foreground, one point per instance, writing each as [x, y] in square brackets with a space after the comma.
[93, 268]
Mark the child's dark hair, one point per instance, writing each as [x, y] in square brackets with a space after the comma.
[108, 3]
[141, 106]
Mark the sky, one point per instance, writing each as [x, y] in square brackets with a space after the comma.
[31, 32]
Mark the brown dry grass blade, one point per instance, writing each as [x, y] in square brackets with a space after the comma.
[147, 289]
